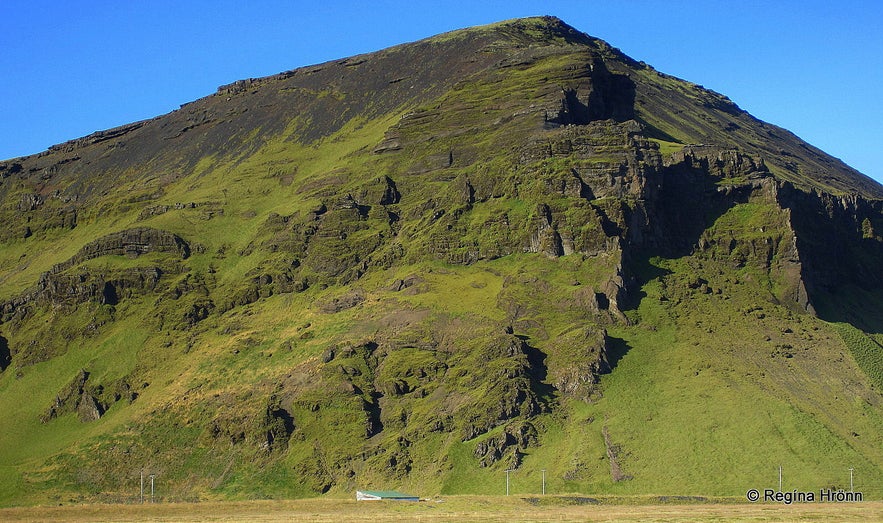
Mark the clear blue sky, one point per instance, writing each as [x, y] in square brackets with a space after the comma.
[73, 67]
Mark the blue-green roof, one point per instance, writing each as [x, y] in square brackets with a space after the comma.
[388, 494]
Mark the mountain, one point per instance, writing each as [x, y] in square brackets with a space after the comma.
[505, 247]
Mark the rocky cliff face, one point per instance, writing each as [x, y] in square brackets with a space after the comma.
[409, 263]
[60, 286]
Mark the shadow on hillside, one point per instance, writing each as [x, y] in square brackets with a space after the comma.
[654, 132]
[860, 307]
[840, 254]
[689, 203]
[5, 354]
[642, 270]
[539, 371]
[373, 411]
[617, 348]
[611, 97]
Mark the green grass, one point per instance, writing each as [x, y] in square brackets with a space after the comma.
[27, 441]
[689, 434]
[866, 350]
[667, 148]
[680, 394]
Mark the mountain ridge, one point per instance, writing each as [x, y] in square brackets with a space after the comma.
[519, 32]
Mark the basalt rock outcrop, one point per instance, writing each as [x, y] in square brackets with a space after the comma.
[61, 286]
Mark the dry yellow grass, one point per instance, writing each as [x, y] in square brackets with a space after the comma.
[457, 508]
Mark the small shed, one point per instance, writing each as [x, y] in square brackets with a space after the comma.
[380, 495]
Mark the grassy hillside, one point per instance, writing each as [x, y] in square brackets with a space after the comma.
[698, 403]
[421, 267]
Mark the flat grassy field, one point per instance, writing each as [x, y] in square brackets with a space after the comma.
[454, 508]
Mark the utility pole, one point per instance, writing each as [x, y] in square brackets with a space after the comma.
[544, 482]
[507, 480]
[151, 487]
[850, 479]
[142, 486]
[780, 478]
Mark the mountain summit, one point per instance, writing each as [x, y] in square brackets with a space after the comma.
[509, 247]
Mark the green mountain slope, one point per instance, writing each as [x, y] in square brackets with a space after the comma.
[507, 247]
